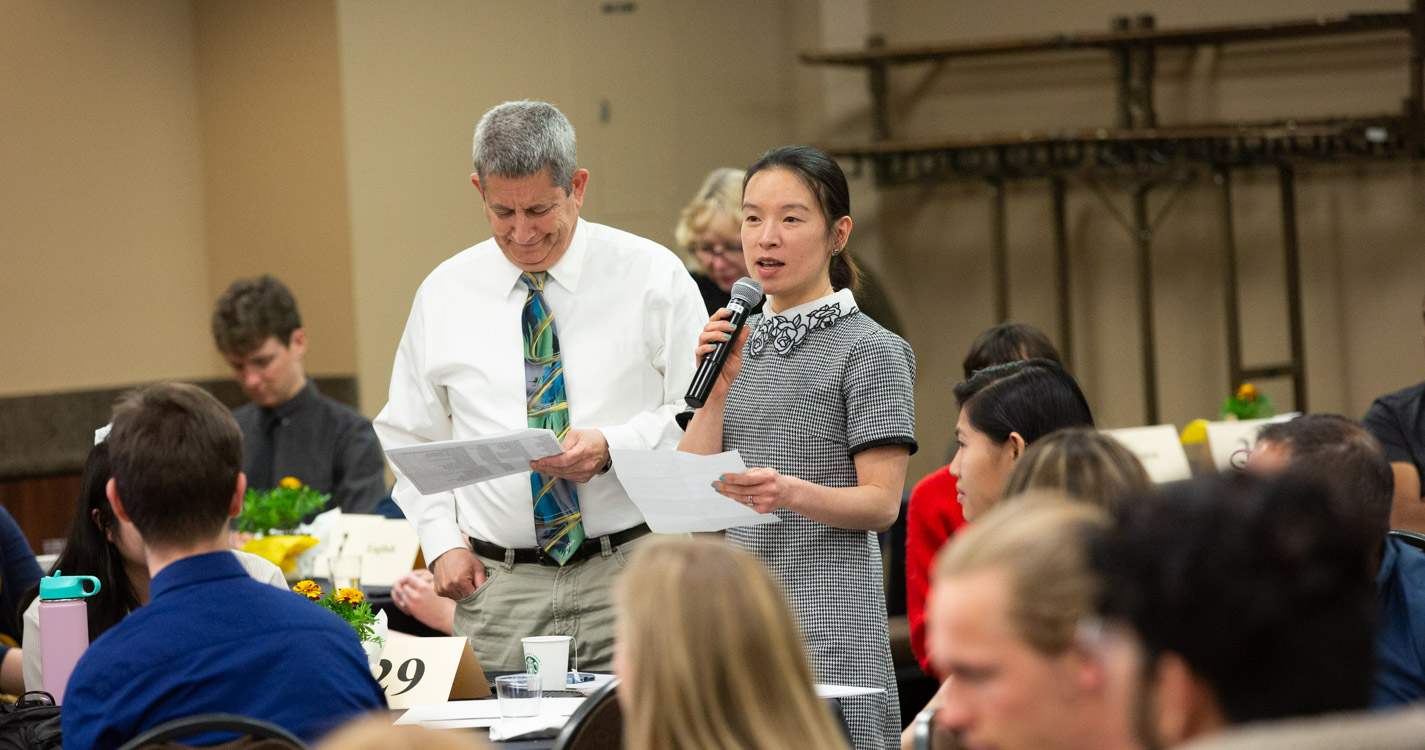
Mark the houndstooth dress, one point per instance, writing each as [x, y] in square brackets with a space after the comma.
[820, 383]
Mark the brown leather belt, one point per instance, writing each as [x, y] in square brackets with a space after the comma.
[538, 555]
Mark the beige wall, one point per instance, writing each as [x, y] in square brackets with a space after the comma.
[102, 264]
[274, 161]
[166, 149]
[686, 88]
[1360, 228]
[156, 150]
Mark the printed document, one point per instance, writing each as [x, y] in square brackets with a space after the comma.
[446, 464]
[674, 490]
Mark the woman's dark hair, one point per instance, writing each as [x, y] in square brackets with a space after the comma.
[1008, 342]
[1032, 397]
[88, 551]
[824, 178]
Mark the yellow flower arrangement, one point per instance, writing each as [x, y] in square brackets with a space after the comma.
[309, 589]
[1247, 403]
[348, 604]
[279, 509]
[349, 596]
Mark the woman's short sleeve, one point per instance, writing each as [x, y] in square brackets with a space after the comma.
[878, 386]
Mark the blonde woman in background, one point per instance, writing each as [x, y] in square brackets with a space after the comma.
[1085, 464]
[709, 656]
[710, 230]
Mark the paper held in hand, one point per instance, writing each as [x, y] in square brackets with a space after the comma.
[444, 465]
[674, 490]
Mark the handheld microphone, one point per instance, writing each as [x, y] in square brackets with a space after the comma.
[746, 294]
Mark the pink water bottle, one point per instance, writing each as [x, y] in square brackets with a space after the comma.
[64, 628]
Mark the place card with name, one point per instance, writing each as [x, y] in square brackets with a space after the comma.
[1230, 436]
[1158, 448]
[387, 546]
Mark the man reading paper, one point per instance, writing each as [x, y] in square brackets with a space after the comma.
[553, 322]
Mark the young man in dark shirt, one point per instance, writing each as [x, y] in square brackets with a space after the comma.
[1397, 420]
[291, 429]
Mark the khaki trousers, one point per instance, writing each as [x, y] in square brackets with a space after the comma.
[525, 599]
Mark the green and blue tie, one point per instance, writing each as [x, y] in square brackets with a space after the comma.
[558, 525]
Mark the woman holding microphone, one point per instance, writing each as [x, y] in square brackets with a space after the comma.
[818, 398]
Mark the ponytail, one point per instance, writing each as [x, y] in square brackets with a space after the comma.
[844, 273]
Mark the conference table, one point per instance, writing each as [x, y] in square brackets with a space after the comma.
[484, 734]
[380, 599]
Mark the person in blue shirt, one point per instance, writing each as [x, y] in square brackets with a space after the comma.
[18, 571]
[1344, 455]
[211, 639]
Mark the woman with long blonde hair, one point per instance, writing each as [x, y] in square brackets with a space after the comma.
[1085, 464]
[709, 656]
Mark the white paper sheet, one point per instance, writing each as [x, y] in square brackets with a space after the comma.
[844, 691]
[447, 464]
[485, 713]
[478, 713]
[674, 490]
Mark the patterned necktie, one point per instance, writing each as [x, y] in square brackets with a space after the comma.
[558, 526]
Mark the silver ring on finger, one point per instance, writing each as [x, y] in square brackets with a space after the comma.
[749, 501]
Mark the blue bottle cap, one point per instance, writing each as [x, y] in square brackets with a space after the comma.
[66, 587]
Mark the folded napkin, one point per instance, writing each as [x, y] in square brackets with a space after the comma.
[281, 551]
[527, 728]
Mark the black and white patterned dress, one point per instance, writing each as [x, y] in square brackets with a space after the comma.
[820, 383]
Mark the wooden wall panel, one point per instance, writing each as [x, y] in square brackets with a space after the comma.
[43, 506]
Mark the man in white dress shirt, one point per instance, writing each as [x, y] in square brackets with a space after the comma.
[626, 317]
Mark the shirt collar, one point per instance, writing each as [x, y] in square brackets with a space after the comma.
[210, 566]
[566, 273]
[1387, 562]
[843, 296]
[307, 396]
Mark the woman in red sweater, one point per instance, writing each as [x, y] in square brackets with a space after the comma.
[934, 513]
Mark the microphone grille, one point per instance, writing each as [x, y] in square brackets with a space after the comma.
[748, 291]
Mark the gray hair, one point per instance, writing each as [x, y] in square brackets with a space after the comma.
[518, 139]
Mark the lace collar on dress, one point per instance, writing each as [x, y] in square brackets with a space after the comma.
[784, 331]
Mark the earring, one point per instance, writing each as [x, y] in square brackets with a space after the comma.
[836, 250]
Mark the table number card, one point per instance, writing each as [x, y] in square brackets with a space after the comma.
[1158, 448]
[420, 671]
[1229, 436]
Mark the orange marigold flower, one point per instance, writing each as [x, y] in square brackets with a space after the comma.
[349, 596]
[1247, 392]
[308, 589]
[290, 483]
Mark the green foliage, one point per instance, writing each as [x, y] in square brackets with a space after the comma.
[358, 616]
[279, 509]
[1257, 407]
